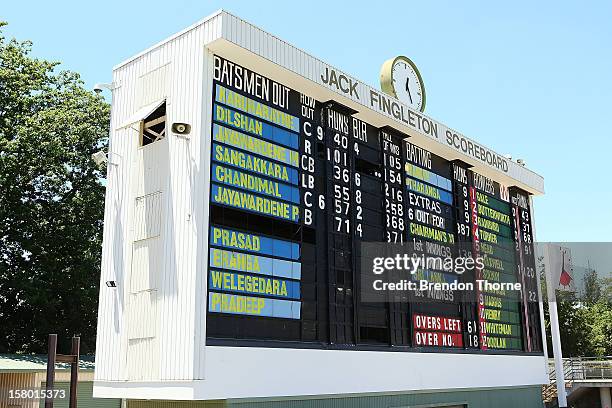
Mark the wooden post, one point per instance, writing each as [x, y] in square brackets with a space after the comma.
[51, 354]
[74, 371]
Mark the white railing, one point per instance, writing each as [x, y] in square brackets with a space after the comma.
[583, 368]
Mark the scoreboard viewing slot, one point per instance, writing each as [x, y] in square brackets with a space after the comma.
[298, 185]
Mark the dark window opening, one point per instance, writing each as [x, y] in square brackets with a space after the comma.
[153, 127]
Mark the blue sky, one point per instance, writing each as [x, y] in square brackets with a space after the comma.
[533, 79]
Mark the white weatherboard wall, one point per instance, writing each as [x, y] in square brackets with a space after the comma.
[151, 327]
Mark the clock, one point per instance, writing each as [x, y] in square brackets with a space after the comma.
[400, 78]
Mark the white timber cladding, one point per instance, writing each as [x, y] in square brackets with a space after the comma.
[151, 340]
[150, 174]
[154, 213]
[141, 317]
[149, 187]
[148, 214]
[153, 86]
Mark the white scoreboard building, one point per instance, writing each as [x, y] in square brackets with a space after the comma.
[244, 178]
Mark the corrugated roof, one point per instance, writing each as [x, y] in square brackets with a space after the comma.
[14, 363]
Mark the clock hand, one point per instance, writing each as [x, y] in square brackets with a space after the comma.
[408, 89]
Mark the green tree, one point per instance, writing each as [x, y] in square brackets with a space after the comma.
[573, 317]
[599, 319]
[606, 288]
[51, 201]
[573, 326]
[592, 287]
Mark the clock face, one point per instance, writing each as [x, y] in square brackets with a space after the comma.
[400, 78]
[407, 84]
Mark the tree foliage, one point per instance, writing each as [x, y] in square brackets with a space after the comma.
[573, 326]
[51, 201]
[585, 322]
[592, 287]
[599, 319]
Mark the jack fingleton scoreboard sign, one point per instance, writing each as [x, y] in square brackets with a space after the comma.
[298, 184]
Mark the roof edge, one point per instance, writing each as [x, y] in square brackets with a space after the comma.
[172, 37]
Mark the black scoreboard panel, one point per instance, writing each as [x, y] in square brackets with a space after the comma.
[297, 185]
[491, 221]
[526, 267]
[436, 314]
